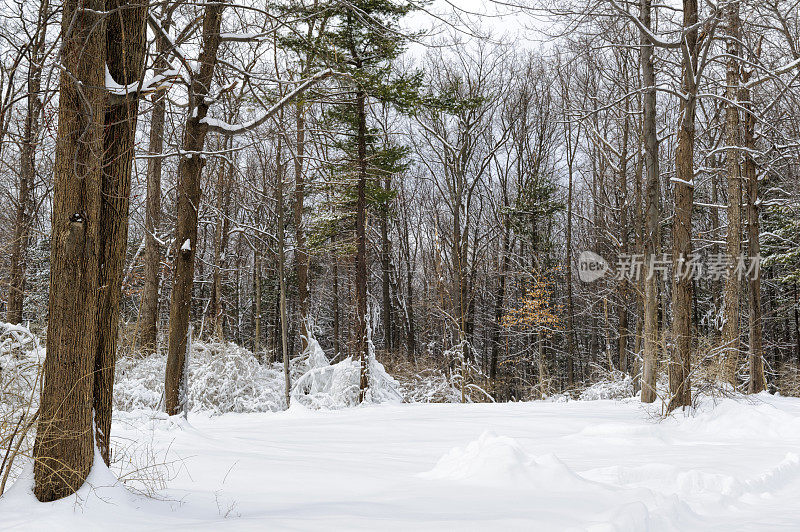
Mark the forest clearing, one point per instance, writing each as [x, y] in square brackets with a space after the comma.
[406, 264]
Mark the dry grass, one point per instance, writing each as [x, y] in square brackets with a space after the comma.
[135, 462]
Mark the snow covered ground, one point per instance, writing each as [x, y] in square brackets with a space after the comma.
[599, 465]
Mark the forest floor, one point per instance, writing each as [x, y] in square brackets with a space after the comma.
[599, 465]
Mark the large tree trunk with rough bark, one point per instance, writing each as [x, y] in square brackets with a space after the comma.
[680, 356]
[125, 53]
[458, 266]
[64, 444]
[730, 305]
[570, 300]
[188, 191]
[652, 244]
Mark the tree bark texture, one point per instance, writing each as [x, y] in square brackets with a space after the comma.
[652, 244]
[680, 357]
[730, 305]
[125, 53]
[188, 190]
[757, 382]
[64, 444]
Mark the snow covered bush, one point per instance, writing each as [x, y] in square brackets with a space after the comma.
[139, 382]
[430, 386]
[323, 385]
[614, 385]
[223, 377]
[21, 358]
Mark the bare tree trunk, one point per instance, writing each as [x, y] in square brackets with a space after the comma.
[361, 244]
[19, 244]
[469, 322]
[276, 314]
[717, 285]
[64, 445]
[336, 317]
[571, 146]
[498, 303]
[215, 308]
[757, 382]
[387, 298]
[411, 341]
[623, 288]
[638, 224]
[458, 266]
[730, 306]
[544, 386]
[27, 174]
[287, 377]
[152, 246]
[570, 300]
[397, 325]
[796, 322]
[680, 362]
[125, 49]
[652, 244]
[300, 252]
[189, 170]
[607, 324]
[257, 305]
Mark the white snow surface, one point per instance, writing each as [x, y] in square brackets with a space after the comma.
[598, 465]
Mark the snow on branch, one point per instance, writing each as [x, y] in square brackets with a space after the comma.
[140, 87]
[224, 128]
[682, 182]
[773, 74]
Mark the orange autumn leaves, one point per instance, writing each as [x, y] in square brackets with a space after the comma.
[537, 311]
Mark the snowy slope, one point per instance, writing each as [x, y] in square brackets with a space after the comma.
[599, 465]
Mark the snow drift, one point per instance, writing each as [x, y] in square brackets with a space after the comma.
[501, 461]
